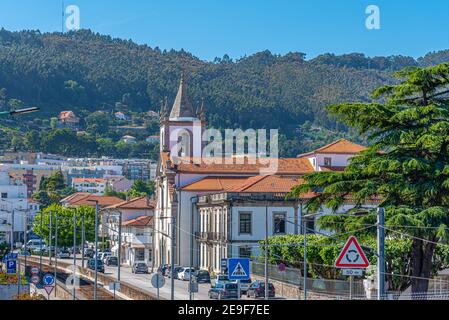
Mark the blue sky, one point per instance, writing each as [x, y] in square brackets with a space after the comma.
[211, 28]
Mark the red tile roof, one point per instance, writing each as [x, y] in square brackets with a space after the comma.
[284, 165]
[64, 115]
[215, 184]
[142, 221]
[137, 203]
[341, 146]
[90, 180]
[87, 199]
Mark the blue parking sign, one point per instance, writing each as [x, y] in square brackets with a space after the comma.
[11, 266]
[238, 269]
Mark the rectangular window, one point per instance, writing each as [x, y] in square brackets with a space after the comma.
[279, 222]
[245, 223]
[310, 225]
[4, 195]
[328, 162]
[244, 252]
[140, 254]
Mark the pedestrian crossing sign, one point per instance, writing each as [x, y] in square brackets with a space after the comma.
[239, 269]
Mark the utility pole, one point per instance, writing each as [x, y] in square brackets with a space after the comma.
[25, 239]
[304, 232]
[56, 245]
[173, 238]
[380, 253]
[266, 252]
[96, 251]
[82, 239]
[50, 237]
[119, 245]
[74, 254]
[12, 231]
[41, 242]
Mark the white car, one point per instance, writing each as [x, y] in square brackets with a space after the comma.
[35, 245]
[105, 256]
[184, 273]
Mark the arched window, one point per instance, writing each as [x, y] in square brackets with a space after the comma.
[184, 143]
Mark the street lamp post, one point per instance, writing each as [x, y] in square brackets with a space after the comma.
[40, 242]
[56, 245]
[82, 239]
[119, 245]
[380, 253]
[96, 250]
[266, 252]
[50, 237]
[74, 254]
[25, 239]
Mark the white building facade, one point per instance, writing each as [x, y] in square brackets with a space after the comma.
[14, 209]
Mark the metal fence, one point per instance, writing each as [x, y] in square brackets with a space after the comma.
[340, 289]
[323, 286]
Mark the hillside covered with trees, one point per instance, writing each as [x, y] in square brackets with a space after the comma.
[87, 72]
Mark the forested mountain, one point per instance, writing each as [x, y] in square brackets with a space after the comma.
[85, 71]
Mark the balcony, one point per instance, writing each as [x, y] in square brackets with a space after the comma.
[210, 236]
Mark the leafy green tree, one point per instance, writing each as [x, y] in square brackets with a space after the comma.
[407, 165]
[52, 189]
[98, 123]
[33, 140]
[112, 193]
[323, 251]
[141, 189]
[65, 224]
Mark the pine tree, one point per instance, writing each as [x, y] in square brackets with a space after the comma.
[407, 165]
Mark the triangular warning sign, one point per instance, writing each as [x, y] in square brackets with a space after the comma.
[239, 271]
[49, 289]
[352, 255]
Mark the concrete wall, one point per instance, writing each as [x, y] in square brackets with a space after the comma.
[9, 291]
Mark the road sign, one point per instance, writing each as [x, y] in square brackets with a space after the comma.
[11, 266]
[281, 267]
[157, 281]
[224, 265]
[35, 279]
[114, 286]
[193, 287]
[48, 280]
[12, 256]
[352, 256]
[238, 269]
[352, 272]
[49, 289]
[34, 270]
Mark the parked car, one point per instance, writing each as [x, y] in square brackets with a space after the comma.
[111, 261]
[257, 289]
[35, 245]
[228, 290]
[177, 269]
[244, 285]
[63, 254]
[75, 250]
[105, 256]
[139, 267]
[91, 265]
[221, 278]
[89, 252]
[202, 276]
[184, 273]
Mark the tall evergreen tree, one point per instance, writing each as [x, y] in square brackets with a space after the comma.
[407, 165]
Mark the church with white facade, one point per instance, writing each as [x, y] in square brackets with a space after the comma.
[222, 210]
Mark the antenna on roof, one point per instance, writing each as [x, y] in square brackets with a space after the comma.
[63, 16]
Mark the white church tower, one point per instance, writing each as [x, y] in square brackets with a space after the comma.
[182, 129]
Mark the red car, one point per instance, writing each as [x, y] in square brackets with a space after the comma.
[257, 289]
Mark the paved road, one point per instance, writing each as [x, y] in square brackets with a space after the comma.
[144, 281]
